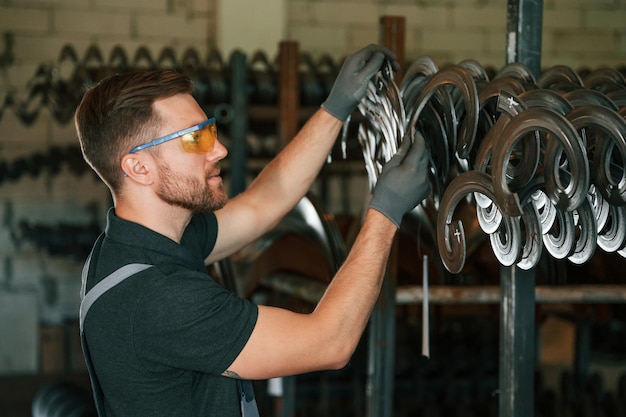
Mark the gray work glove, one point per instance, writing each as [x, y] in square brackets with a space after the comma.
[351, 83]
[403, 182]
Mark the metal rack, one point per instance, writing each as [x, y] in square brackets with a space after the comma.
[517, 294]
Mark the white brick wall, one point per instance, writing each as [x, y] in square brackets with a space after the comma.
[25, 19]
[456, 30]
[74, 23]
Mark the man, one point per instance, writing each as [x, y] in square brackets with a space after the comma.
[168, 341]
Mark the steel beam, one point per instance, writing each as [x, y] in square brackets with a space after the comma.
[382, 327]
[517, 305]
[517, 343]
[524, 30]
[239, 124]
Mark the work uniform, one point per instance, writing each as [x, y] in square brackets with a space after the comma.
[160, 340]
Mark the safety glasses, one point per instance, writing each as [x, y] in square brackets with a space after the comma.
[199, 138]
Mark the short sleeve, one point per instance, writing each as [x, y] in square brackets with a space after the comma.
[188, 321]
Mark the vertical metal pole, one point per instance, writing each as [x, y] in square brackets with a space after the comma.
[524, 29]
[517, 304]
[288, 403]
[381, 345]
[382, 329]
[517, 342]
[239, 125]
[582, 355]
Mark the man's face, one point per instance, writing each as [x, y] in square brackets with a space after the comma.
[188, 180]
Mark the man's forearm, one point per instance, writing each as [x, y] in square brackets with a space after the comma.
[350, 297]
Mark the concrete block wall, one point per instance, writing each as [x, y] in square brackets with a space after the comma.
[579, 33]
[40, 30]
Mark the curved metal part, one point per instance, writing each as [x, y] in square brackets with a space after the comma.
[460, 78]
[532, 246]
[411, 89]
[546, 210]
[385, 122]
[614, 127]
[415, 78]
[307, 219]
[263, 79]
[534, 193]
[443, 103]
[324, 228]
[440, 107]
[392, 93]
[367, 141]
[432, 127]
[546, 99]
[587, 232]
[584, 96]
[488, 215]
[518, 71]
[422, 67]
[525, 155]
[559, 76]
[606, 171]
[493, 89]
[485, 150]
[560, 239]
[605, 79]
[566, 137]
[450, 233]
[612, 236]
[474, 67]
[510, 106]
[600, 206]
[618, 97]
[506, 242]
[488, 95]
[566, 189]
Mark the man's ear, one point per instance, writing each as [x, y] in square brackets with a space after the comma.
[135, 167]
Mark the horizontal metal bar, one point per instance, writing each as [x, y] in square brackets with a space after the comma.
[310, 290]
[607, 294]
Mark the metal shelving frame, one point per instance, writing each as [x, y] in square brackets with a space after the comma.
[517, 293]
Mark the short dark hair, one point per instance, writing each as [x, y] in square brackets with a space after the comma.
[116, 114]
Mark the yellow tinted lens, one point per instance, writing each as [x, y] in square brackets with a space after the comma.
[201, 140]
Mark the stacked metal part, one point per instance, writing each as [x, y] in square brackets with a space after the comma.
[541, 160]
[59, 86]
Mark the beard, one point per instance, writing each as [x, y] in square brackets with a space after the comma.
[189, 193]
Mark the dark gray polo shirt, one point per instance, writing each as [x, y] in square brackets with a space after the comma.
[160, 340]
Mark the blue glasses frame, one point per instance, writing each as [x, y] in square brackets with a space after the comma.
[172, 136]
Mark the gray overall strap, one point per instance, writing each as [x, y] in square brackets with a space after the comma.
[87, 301]
[247, 400]
[103, 286]
[245, 388]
